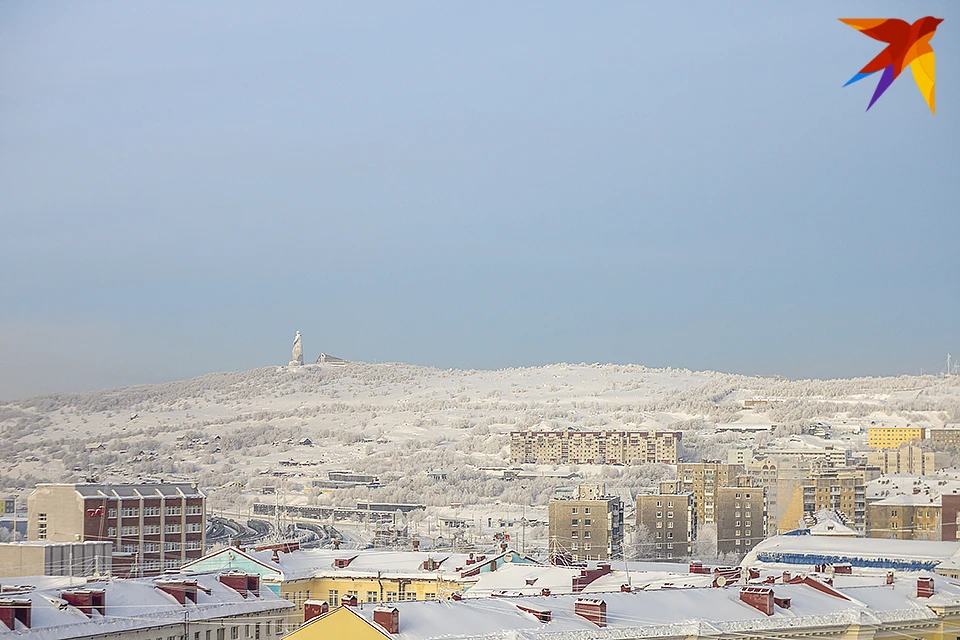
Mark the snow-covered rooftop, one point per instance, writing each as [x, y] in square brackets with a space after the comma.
[666, 612]
[131, 604]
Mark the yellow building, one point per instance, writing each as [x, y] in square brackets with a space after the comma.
[371, 575]
[922, 607]
[893, 437]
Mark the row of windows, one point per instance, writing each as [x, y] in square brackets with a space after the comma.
[573, 534]
[152, 529]
[131, 512]
[576, 521]
[586, 510]
[276, 626]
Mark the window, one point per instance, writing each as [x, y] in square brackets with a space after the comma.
[193, 545]
[256, 631]
[586, 522]
[221, 633]
[574, 522]
[411, 596]
[670, 505]
[129, 512]
[669, 514]
[747, 496]
[151, 529]
[130, 531]
[659, 525]
[391, 596]
[573, 510]
[670, 525]
[207, 635]
[151, 511]
[234, 632]
[171, 564]
[574, 546]
[111, 532]
[194, 510]
[279, 626]
[586, 547]
[659, 514]
[129, 547]
[586, 510]
[171, 546]
[151, 547]
[172, 511]
[333, 598]
[573, 535]
[586, 534]
[670, 534]
[111, 513]
[659, 504]
[371, 596]
[196, 635]
[171, 528]
[194, 527]
[246, 631]
[429, 596]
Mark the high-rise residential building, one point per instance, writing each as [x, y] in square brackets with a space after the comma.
[702, 480]
[594, 447]
[893, 437]
[906, 517]
[767, 474]
[666, 525]
[840, 490]
[588, 526]
[741, 517]
[945, 436]
[153, 527]
[909, 459]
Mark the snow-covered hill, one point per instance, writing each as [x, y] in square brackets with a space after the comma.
[398, 420]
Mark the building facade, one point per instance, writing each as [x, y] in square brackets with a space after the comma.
[741, 518]
[893, 437]
[906, 517]
[909, 459]
[945, 437]
[588, 526]
[669, 525]
[594, 447]
[702, 479]
[842, 491]
[153, 527]
[82, 559]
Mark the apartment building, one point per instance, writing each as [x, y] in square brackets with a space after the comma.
[906, 517]
[153, 527]
[702, 479]
[588, 526]
[946, 436]
[741, 517]
[594, 447]
[893, 437]
[909, 459]
[840, 490]
[808, 456]
[671, 522]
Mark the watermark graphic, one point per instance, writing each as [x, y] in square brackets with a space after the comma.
[907, 44]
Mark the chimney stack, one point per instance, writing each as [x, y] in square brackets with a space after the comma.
[336, 543]
[349, 600]
[314, 609]
[924, 587]
[760, 598]
[13, 609]
[594, 611]
[388, 618]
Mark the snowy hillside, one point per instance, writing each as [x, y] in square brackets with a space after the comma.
[399, 420]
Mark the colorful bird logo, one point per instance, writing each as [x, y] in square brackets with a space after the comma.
[906, 44]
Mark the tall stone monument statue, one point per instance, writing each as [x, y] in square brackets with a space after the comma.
[297, 351]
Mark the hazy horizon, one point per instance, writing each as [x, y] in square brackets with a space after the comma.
[470, 186]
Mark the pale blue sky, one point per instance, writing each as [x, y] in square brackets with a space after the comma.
[480, 185]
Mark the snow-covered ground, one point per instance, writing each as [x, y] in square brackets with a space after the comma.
[240, 432]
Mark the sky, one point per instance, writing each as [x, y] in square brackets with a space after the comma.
[183, 186]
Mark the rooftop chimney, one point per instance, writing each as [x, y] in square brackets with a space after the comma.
[182, 590]
[924, 587]
[889, 577]
[314, 609]
[349, 600]
[13, 609]
[236, 581]
[388, 618]
[543, 615]
[760, 598]
[594, 611]
[86, 600]
[416, 545]
[343, 563]
[336, 543]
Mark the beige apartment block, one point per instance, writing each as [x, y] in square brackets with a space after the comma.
[594, 447]
[906, 517]
[588, 526]
[909, 459]
[741, 518]
[840, 490]
[702, 479]
[671, 521]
